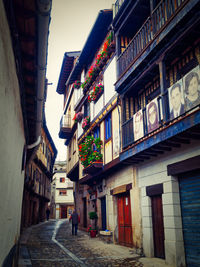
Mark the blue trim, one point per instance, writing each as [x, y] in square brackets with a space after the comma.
[165, 134]
[108, 127]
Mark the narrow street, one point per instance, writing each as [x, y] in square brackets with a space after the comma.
[51, 244]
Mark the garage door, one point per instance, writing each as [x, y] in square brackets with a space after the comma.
[190, 208]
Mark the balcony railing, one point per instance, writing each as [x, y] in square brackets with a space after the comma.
[65, 126]
[117, 7]
[127, 133]
[159, 18]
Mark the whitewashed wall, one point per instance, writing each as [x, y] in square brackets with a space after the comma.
[110, 77]
[11, 144]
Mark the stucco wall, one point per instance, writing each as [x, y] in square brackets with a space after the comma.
[11, 144]
[154, 172]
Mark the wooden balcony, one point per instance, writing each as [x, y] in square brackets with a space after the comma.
[150, 30]
[162, 140]
[117, 6]
[65, 126]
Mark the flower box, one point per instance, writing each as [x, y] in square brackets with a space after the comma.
[96, 92]
[93, 168]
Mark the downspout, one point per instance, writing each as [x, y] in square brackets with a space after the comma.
[43, 20]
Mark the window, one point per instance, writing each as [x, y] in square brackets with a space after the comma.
[62, 192]
[74, 144]
[108, 127]
[62, 179]
[96, 135]
[86, 109]
[70, 150]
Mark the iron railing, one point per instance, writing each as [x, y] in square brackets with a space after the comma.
[158, 19]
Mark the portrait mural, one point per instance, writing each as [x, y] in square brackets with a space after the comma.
[191, 83]
[176, 100]
[138, 126]
[152, 115]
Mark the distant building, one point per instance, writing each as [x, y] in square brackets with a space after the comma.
[37, 185]
[62, 199]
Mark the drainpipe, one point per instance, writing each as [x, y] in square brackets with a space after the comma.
[43, 20]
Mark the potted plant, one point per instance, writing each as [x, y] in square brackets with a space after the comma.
[91, 231]
[93, 215]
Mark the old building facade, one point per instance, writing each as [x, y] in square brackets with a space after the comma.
[136, 110]
[106, 187]
[62, 198]
[37, 185]
[22, 86]
[157, 68]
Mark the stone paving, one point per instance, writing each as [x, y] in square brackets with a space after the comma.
[51, 245]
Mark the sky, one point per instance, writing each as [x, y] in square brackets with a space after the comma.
[71, 23]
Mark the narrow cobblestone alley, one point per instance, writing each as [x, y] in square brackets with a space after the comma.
[51, 244]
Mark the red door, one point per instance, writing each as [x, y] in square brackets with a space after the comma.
[124, 220]
[158, 226]
[63, 212]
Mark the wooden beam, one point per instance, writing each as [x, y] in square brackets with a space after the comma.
[171, 144]
[149, 154]
[180, 140]
[157, 151]
[191, 135]
[162, 148]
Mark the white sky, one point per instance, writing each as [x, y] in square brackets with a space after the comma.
[71, 22]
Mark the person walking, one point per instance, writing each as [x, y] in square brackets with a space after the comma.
[47, 213]
[75, 220]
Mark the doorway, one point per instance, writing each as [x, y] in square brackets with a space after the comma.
[158, 226]
[63, 212]
[103, 213]
[84, 212]
[124, 220]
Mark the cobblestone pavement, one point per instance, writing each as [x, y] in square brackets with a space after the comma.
[52, 245]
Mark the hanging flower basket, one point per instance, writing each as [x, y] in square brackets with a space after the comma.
[96, 93]
[78, 117]
[77, 84]
[87, 153]
[86, 123]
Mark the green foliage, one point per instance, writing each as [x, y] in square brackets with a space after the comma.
[87, 153]
[93, 215]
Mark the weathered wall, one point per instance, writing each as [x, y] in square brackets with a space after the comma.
[11, 143]
[155, 172]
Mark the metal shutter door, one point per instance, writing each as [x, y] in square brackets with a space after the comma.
[190, 208]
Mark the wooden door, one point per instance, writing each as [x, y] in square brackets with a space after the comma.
[158, 226]
[103, 213]
[63, 212]
[84, 212]
[124, 220]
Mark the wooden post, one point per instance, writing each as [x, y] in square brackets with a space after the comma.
[162, 71]
[118, 50]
